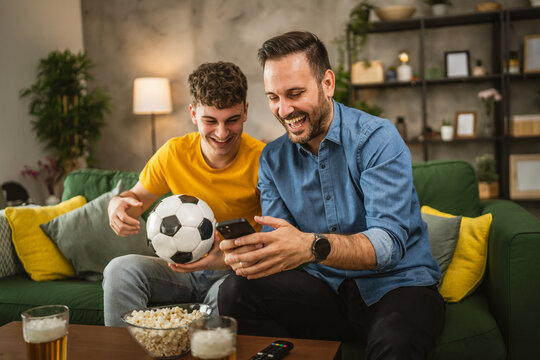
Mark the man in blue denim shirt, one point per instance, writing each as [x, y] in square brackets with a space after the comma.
[346, 174]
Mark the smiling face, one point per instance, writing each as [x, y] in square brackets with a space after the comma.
[301, 104]
[220, 130]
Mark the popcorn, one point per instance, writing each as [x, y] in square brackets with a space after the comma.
[162, 331]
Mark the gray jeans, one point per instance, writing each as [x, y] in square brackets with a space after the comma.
[133, 281]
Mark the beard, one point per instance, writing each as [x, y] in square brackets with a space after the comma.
[317, 121]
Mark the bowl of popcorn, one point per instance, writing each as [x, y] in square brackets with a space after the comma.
[163, 330]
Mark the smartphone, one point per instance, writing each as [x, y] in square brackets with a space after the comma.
[231, 229]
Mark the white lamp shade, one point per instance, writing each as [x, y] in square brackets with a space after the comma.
[151, 95]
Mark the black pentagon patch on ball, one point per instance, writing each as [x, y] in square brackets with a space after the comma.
[205, 229]
[170, 225]
[188, 199]
[182, 257]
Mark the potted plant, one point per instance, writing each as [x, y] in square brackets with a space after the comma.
[447, 130]
[372, 109]
[488, 185]
[69, 117]
[439, 7]
[355, 31]
[358, 27]
[478, 69]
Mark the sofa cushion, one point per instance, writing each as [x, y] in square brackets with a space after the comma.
[468, 264]
[85, 238]
[39, 255]
[447, 185]
[19, 293]
[470, 333]
[91, 183]
[443, 237]
[9, 262]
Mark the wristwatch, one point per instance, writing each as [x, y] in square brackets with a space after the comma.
[320, 248]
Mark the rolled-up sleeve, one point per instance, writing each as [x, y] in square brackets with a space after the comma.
[386, 182]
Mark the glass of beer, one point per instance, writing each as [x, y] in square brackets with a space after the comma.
[45, 330]
[213, 337]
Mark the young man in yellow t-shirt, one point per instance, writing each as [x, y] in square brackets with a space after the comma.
[217, 164]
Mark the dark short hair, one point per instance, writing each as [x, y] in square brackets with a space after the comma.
[220, 84]
[296, 42]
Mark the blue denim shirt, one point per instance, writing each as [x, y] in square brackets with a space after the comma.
[361, 182]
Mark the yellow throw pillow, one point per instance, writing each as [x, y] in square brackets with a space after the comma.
[468, 265]
[39, 255]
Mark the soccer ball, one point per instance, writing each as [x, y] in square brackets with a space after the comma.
[181, 229]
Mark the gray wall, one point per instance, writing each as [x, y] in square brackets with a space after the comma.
[29, 30]
[129, 39]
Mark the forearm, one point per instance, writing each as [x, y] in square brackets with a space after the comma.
[134, 212]
[352, 252]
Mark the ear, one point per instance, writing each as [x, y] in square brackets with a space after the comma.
[193, 113]
[329, 83]
[245, 112]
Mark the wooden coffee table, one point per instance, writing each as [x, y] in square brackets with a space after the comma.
[115, 343]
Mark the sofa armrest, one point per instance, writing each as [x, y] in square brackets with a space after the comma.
[513, 276]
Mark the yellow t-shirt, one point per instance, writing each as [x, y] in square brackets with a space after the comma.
[231, 192]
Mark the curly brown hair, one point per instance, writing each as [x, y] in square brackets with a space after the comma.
[220, 84]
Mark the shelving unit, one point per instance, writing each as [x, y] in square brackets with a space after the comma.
[501, 23]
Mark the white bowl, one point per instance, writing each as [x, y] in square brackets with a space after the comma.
[395, 12]
[164, 342]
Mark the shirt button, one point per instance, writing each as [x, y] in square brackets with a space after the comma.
[328, 197]
[333, 229]
[323, 166]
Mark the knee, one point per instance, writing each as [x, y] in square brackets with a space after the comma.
[230, 292]
[120, 269]
[386, 340]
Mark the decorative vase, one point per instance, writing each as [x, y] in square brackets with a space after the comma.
[404, 72]
[487, 128]
[439, 9]
[447, 132]
[479, 71]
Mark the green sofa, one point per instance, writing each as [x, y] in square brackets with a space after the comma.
[498, 321]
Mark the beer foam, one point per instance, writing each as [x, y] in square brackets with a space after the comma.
[211, 344]
[44, 330]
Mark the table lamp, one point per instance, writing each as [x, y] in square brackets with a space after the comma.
[404, 71]
[152, 95]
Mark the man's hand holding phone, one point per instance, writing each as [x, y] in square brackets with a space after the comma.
[231, 230]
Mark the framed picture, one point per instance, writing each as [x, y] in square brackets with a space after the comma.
[531, 54]
[524, 179]
[465, 125]
[456, 64]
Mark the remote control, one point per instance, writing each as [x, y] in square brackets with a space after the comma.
[275, 351]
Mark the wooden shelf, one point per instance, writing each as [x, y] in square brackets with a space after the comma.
[501, 24]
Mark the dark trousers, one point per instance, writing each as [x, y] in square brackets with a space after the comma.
[404, 324]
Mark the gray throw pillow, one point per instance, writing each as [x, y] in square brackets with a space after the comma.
[9, 261]
[443, 237]
[85, 237]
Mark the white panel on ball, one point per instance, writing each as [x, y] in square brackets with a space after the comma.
[168, 206]
[187, 239]
[153, 223]
[189, 215]
[164, 245]
[207, 212]
[203, 248]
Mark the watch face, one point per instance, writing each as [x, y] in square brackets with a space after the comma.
[321, 247]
